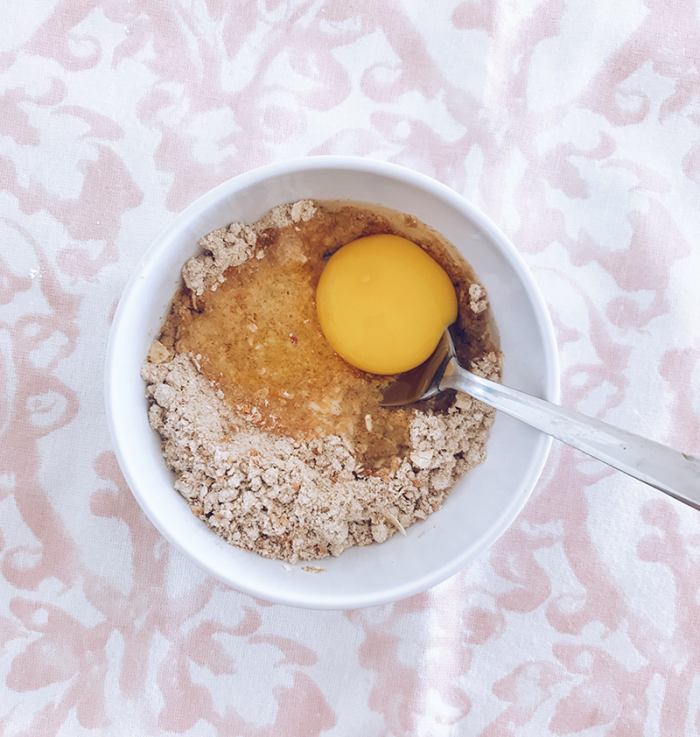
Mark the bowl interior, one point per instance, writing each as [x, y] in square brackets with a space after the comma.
[482, 504]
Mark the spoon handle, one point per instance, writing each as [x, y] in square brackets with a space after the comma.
[664, 468]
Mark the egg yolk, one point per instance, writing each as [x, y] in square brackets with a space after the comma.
[383, 303]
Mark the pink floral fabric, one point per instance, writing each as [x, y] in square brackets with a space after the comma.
[574, 124]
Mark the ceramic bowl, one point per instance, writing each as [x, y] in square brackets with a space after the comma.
[483, 503]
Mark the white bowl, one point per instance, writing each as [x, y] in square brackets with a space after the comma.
[483, 503]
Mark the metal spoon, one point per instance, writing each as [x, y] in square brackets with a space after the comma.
[675, 473]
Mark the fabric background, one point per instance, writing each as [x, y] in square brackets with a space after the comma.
[574, 124]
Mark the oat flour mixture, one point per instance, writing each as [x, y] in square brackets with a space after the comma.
[278, 444]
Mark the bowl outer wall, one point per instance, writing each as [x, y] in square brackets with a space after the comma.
[483, 503]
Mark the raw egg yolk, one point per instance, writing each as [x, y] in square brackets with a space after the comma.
[383, 303]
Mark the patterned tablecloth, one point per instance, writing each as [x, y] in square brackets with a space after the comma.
[574, 124]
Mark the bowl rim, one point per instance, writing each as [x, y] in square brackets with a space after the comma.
[551, 386]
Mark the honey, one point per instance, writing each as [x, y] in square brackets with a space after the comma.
[256, 336]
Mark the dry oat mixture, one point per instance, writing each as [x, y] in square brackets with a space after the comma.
[277, 444]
